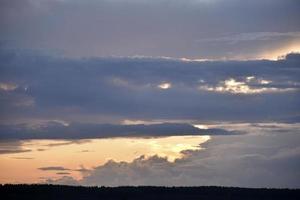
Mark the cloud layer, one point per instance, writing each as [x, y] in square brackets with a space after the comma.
[190, 28]
[268, 156]
[54, 130]
[37, 87]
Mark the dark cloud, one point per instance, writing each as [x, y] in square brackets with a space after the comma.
[84, 131]
[68, 142]
[12, 151]
[63, 173]
[54, 168]
[41, 149]
[36, 86]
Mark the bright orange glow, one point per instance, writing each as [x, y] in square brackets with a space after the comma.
[73, 155]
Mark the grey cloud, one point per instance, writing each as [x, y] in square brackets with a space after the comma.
[54, 168]
[51, 87]
[12, 151]
[261, 158]
[45, 129]
[86, 131]
[256, 36]
[137, 172]
[65, 180]
[63, 173]
[12, 147]
[83, 170]
[151, 28]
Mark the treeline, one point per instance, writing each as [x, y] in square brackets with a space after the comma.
[57, 192]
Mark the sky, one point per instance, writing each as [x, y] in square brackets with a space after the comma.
[81, 73]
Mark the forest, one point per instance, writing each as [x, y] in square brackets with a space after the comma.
[57, 192]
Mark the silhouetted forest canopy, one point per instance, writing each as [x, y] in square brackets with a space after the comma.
[57, 192]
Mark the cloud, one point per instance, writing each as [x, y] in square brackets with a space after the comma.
[261, 158]
[12, 151]
[151, 28]
[65, 180]
[63, 173]
[86, 131]
[111, 90]
[250, 37]
[137, 172]
[54, 168]
[61, 143]
[23, 158]
[12, 147]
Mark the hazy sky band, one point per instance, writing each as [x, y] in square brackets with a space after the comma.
[210, 29]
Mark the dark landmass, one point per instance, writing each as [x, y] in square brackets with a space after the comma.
[57, 192]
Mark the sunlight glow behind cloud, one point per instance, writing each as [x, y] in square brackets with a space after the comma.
[201, 126]
[8, 86]
[280, 52]
[165, 85]
[241, 87]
